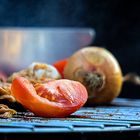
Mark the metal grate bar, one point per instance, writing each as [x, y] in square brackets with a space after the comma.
[87, 119]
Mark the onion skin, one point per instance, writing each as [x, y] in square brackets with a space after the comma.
[100, 61]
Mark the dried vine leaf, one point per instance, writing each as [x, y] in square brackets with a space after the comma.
[5, 92]
[6, 112]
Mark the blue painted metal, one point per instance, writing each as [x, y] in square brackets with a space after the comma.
[119, 116]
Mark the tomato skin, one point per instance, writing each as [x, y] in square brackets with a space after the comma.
[60, 65]
[75, 96]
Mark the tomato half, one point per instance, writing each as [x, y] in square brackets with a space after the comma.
[59, 65]
[56, 98]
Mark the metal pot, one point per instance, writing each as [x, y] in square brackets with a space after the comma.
[19, 47]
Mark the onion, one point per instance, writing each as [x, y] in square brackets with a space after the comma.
[98, 70]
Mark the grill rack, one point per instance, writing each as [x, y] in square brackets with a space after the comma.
[122, 115]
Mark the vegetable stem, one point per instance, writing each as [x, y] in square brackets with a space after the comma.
[93, 81]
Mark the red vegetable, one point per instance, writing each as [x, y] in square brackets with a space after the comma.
[98, 70]
[59, 65]
[56, 98]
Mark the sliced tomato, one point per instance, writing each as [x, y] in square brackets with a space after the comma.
[56, 98]
[59, 65]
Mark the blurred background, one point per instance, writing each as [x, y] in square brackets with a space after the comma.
[116, 22]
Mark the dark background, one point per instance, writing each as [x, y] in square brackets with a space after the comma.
[117, 25]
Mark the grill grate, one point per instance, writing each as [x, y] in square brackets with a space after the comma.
[122, 115]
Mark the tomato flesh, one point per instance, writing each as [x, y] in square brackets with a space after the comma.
[56, 98]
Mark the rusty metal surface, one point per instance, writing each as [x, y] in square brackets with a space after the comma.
[121, 115]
